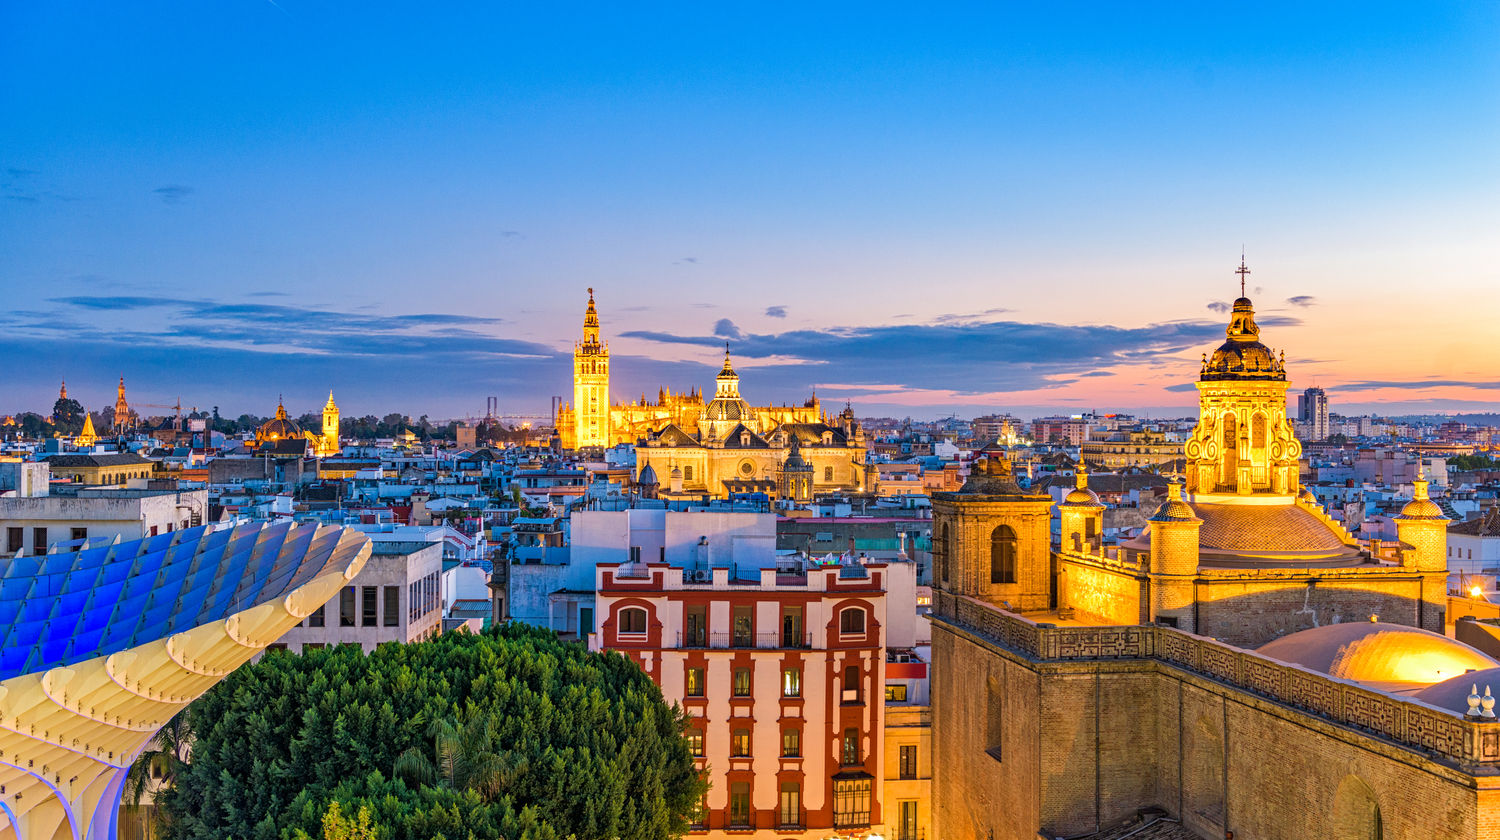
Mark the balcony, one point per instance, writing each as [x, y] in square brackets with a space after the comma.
[744, 641]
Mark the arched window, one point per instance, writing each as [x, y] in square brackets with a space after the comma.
[1230, 454]
[852, 621]
[1003, 555]
[633, 620]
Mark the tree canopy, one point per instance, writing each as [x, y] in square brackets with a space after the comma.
[509, 734]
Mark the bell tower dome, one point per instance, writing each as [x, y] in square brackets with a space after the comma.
[1243, 443]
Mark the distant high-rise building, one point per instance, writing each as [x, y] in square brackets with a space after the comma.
[1312, 410]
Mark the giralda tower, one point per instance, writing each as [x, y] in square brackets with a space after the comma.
[591, 383]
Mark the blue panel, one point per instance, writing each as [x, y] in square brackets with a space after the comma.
[76, 605]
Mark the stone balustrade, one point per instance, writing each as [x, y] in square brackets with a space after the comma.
[1442, 734]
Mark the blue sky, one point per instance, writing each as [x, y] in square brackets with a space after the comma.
[923, 211]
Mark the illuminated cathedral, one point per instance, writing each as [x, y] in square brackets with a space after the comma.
[282, 427]
[592, 420]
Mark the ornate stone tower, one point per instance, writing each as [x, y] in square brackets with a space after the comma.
[122, 408]
[796, 474]
[591, 384]
[1422, 529]
[1174, 560]
[1081, 516]
[328, 442]
[1243, 442]
[992, 540]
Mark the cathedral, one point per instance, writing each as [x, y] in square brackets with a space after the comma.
[714, 448]
[281, 428]
[1245, 668]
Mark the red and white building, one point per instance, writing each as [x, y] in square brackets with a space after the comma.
[782, 671]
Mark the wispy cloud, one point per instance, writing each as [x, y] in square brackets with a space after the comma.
[173, 193]
[1219, 306]
[964, 357]
[1419, 384]
[726, 328]
[775, 311]
[1302, 300]
[970, 318]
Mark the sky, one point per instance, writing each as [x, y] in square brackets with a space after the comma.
[1026, 208]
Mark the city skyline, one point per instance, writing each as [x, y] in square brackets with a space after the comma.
[1043, 213]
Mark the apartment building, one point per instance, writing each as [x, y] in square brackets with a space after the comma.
[782, 669]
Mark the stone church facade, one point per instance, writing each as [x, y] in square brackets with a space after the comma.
[1077, 687]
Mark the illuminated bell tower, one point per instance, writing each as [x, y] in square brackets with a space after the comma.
[591, 384]
[328, 442]
[122, 408]
[1243, 444]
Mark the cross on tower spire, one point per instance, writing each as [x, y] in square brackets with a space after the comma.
[1242, 271]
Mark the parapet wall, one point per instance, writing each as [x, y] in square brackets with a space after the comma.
[1441, 735]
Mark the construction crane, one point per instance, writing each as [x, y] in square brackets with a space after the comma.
[176, 407]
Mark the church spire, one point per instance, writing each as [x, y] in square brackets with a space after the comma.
[62, 393]
[591, 323]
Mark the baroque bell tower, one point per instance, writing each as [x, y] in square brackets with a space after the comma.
[328, 441]
[591, 383]
[1243, 444]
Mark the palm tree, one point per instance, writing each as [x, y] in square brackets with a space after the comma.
[463, 757]
[156, 768]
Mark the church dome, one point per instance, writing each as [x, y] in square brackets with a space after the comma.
[1422, 507]
[1174, 509]
[1376, 652]
[279, 427]
[1242, 356]
[1452, 694]
[726, 409]
[1081, 495]
[648, 476]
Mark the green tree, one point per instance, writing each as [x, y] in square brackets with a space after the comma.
[161, 762]
[510, 734]
[67, 416]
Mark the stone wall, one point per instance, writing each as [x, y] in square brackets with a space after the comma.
[1100, 593]
[1252, 610]
[1100, 722]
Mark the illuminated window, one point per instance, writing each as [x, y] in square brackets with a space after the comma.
[695, 742]
[791, 743]
[695, 682]
[851, 803]
[633, 620]
[791, 682]
[895, 693]
[789, 808]
[739, 743]
[741, 682]
[850, 753]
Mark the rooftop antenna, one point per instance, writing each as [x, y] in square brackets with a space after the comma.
[1242, 271]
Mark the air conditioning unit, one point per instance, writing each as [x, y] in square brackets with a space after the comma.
[701, 576]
